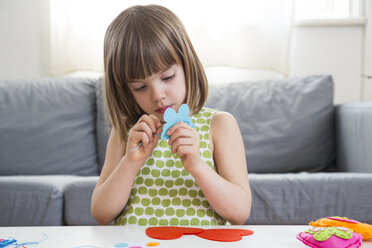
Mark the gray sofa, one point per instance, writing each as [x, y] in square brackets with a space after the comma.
[306, 158]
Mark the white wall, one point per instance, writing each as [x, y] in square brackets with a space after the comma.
[336, 48]
[367, 79]
[24, 39]
[333, 48]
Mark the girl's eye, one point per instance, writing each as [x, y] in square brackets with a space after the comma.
[140, 88]
[168, 78]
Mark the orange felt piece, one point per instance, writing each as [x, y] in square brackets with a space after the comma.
[171, 232]
[362, 228]
[224, 235]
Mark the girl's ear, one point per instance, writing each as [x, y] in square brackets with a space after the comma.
[169, 115]
[184, 110]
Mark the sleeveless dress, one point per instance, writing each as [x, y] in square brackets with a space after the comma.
[165, 193]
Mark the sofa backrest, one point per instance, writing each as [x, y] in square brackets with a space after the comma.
[48, 127]
[287, 125]
[103, 125]
[354, 137]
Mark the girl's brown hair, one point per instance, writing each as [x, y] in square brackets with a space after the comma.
[141, 41]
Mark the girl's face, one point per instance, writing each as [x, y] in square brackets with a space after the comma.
[162, 90]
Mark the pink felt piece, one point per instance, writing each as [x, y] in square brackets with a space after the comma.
[344, 220]
[332, 242]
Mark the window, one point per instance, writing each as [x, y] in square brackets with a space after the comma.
[328, 9]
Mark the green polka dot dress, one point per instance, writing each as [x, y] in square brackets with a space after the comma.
[165, 193]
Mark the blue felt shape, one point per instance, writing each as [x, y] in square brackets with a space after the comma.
[121, 245]
[171, 118]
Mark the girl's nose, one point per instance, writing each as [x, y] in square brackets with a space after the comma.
[158, 93]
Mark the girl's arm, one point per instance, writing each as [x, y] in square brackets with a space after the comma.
[228, 192]
[115, 182]
[121, 165]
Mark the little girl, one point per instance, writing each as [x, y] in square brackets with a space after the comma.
[197, 177]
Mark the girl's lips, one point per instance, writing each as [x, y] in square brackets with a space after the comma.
[162, 109]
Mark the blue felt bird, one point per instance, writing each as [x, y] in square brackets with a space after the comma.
[171, 118]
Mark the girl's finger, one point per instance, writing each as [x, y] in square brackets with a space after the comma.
[179, 133]
[149, 121]
[143, 127]
[176, 126]
[138, 137]
[181, 142]
[145, 138]
[156, 120]
[151, 145]
[182, 151]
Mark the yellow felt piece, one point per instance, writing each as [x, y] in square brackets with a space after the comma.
[362, 228]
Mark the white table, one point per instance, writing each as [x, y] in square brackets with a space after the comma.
[109, 236]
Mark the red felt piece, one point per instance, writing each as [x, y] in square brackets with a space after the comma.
[170, 232]
[224, 235]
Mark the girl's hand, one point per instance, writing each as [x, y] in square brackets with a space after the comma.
[145, 131]
[185, 141]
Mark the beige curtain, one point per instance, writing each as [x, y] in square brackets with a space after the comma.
[247, 34]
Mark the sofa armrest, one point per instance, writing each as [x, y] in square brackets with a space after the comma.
[354, 137]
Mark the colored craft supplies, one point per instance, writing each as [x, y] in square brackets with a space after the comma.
[337, 232]
[330, 237]
[362, 228]
[221, 235]
[12, 242]
[172, 118]
[121, 245]
[138, 245]
[153, 244]
[7, 242]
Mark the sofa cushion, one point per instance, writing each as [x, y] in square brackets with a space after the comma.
[77, 197]
[32, 200]
[298, 198]
[48, 127]
[287, 125]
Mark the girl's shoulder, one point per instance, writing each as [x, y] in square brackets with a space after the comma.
[203, 118]
[205, 112]
[222, 124]
[214, 114]
[223, 119]
[214, 117]
[218, 123]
